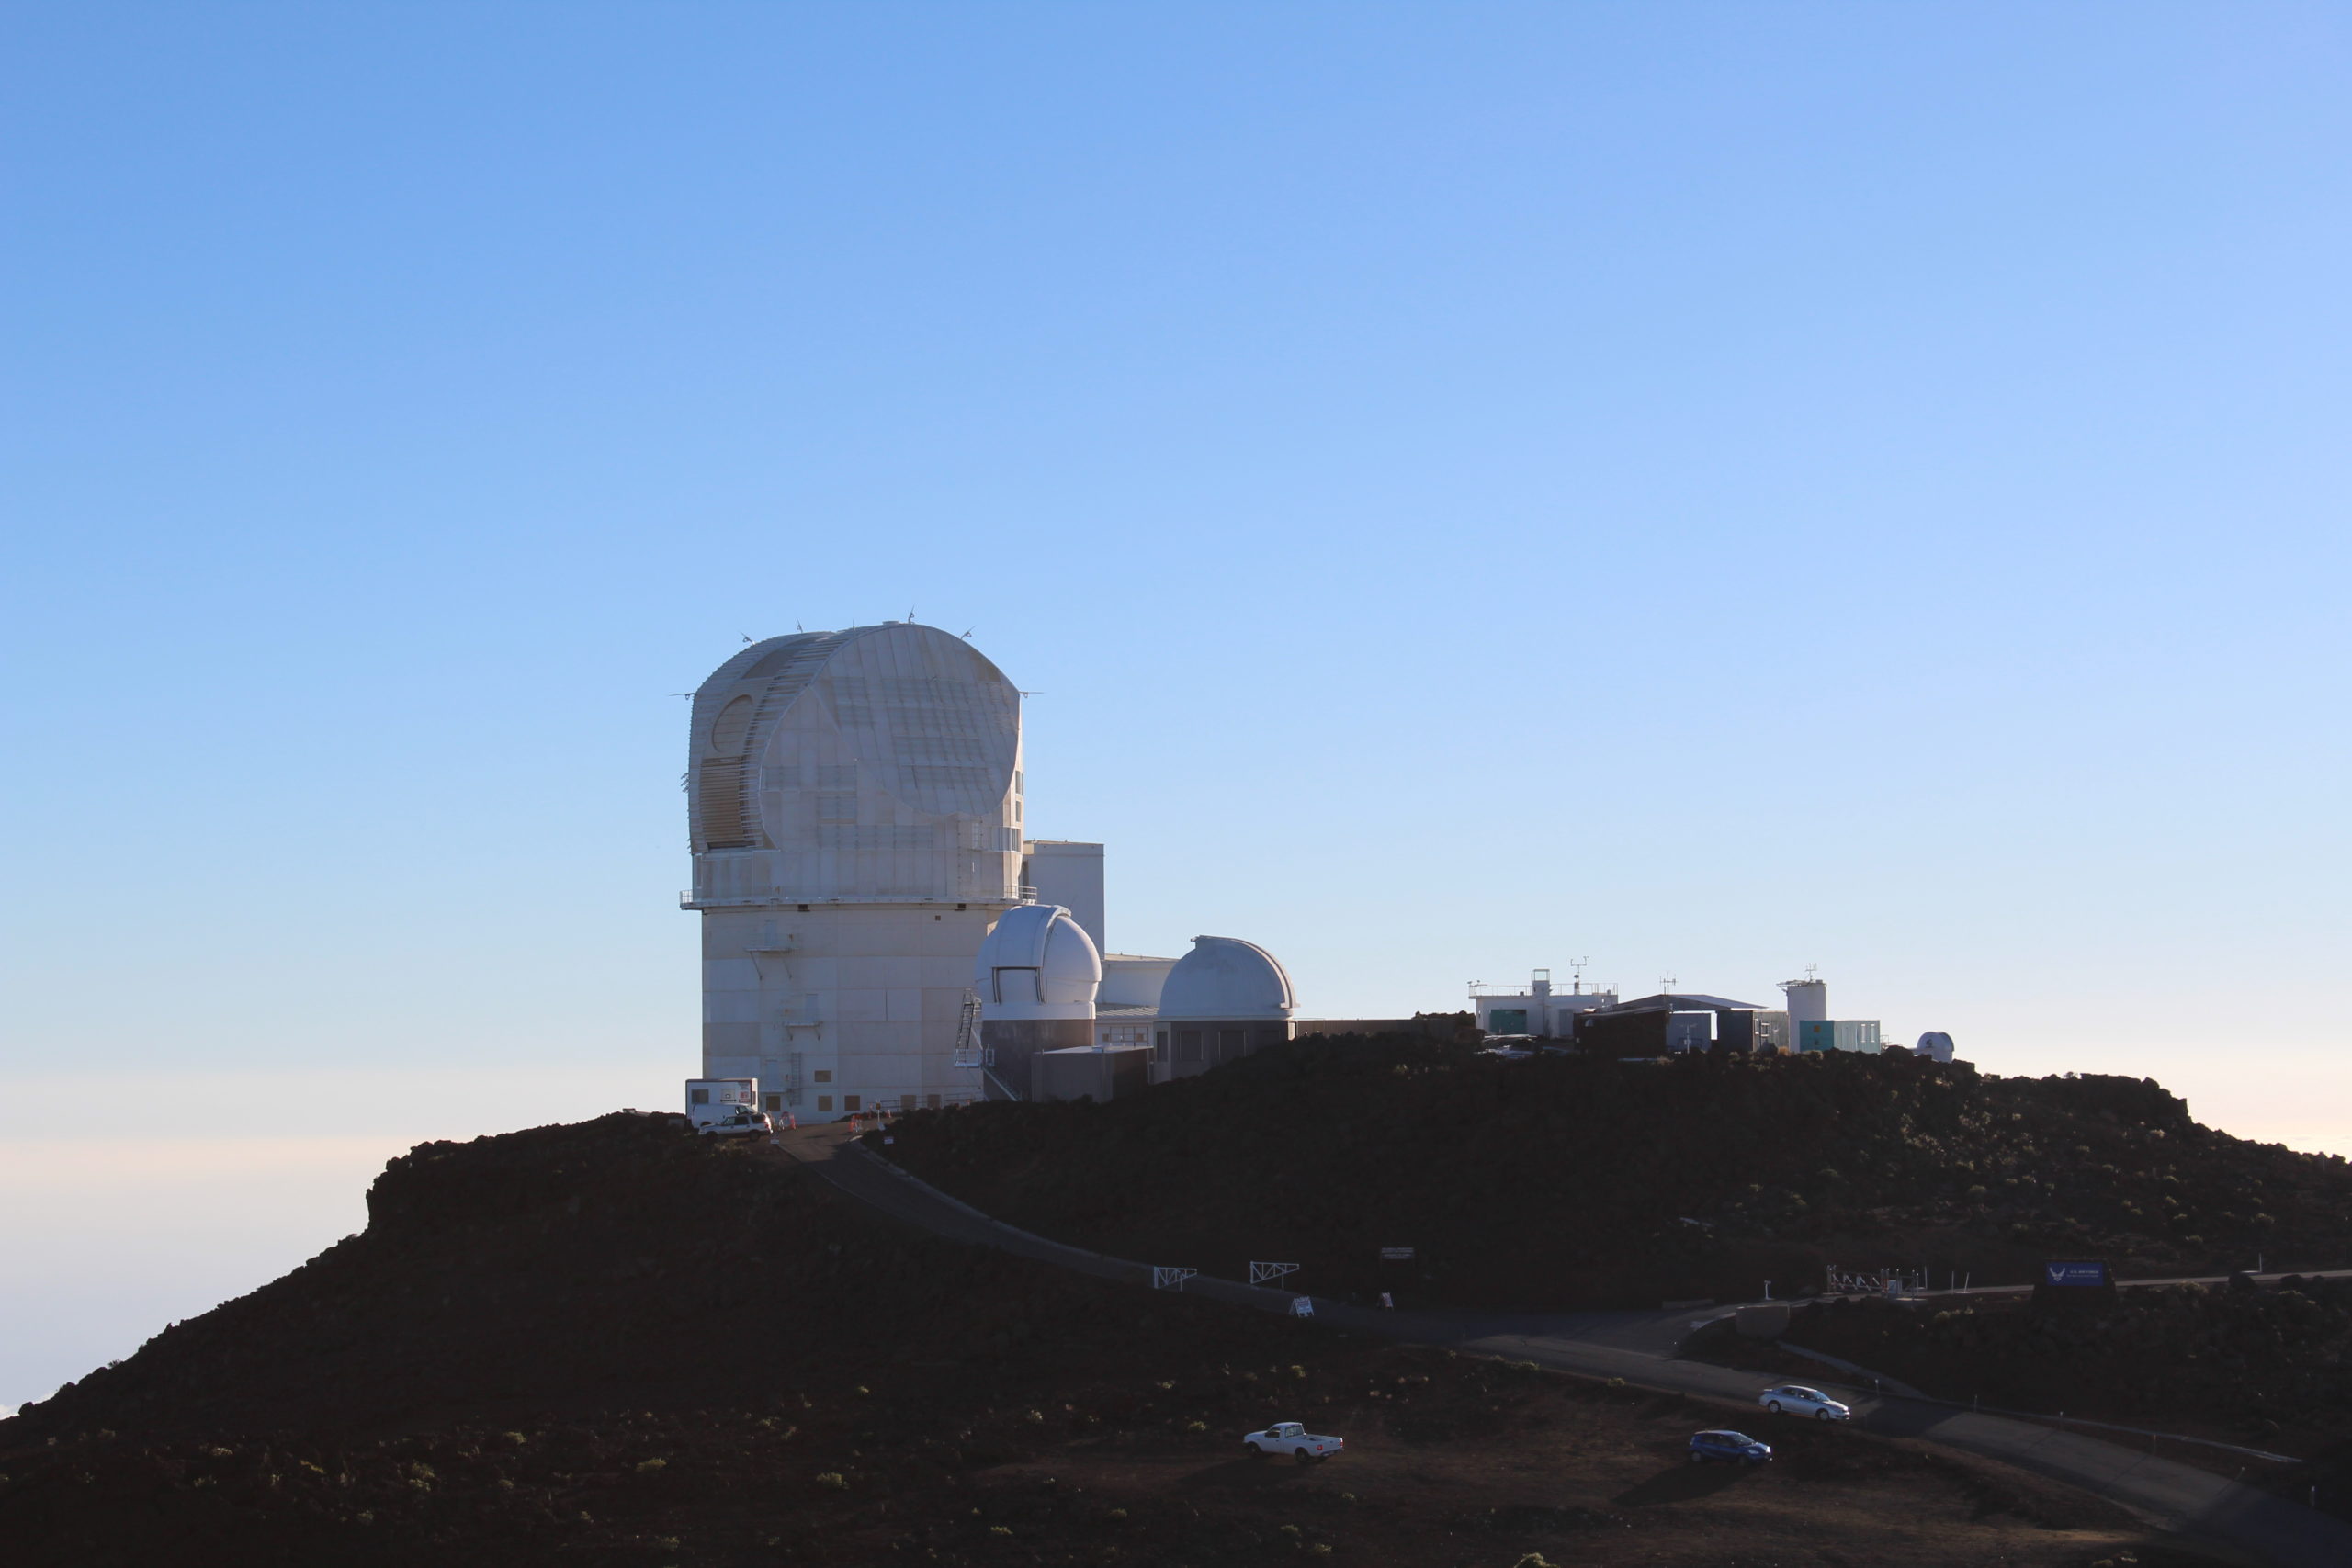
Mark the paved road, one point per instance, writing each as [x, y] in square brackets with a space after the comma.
[1638, 1346]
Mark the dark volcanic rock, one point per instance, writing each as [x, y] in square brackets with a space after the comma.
[1567, 1181]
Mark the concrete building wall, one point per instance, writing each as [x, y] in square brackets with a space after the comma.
[834, 1004]
[1131, 980]
[1064, 872]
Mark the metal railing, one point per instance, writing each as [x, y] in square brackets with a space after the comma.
[780, 897]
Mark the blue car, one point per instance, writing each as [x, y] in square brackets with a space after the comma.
[1737, 1447]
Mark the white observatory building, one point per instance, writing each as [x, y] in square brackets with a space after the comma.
[879, 931]
[853, 803]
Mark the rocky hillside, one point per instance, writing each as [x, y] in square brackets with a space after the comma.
[1567, 1181]
[618, 1345]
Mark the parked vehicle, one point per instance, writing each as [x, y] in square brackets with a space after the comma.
[740, 1122]
[1292, 1438]
[1736, 1447]
[726, 1106]
[1795, 1399]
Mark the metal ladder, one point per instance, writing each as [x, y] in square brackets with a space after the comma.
[968, 1032]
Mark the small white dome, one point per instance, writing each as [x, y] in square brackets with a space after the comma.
[1223, 978]
[1037, 961]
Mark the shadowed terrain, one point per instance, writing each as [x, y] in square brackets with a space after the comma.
[615, 1343]
[1568, 1181]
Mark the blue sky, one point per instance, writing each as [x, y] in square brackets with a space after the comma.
[1714, 489]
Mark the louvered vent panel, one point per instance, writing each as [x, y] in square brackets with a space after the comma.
[721, 801]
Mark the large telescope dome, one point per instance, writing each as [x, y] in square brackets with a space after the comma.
[877, 764]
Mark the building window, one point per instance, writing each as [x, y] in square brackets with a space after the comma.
[824, 1074]
[909, 1101]
[931, 1102]
[850, 1101]
[771, 1102]
[824, 1103]
[698, 1097]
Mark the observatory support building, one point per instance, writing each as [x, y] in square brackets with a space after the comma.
[855, 811]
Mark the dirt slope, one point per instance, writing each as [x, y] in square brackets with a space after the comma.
[617, 1344]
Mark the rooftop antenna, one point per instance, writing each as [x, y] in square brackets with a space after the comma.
[911, 614]
[747, 637]
[798, 627]
[968, 631]
[1666, 984]
[1575, 970]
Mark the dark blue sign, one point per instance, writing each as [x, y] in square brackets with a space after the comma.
[2074, 1274]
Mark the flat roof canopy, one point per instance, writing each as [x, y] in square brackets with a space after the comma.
[1680, 1001]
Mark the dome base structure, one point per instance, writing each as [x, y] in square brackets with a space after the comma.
[1182, 1048]
[1009, 1048]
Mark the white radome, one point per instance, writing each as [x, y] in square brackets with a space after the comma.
[1225, 977]
[1037, 962]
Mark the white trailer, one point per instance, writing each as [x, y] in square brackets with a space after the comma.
[712, 1100]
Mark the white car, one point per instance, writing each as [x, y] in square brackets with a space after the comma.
[1795, 1399]
[1291, 1438]
[740, 1122]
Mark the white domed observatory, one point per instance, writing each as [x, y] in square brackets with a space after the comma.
[1037, 977]
[854, 801]
[1224, 1000]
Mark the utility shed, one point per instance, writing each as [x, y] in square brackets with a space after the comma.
[1670, 1021]
[1097, 1072]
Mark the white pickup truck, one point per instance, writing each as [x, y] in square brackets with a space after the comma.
[1291, 1438]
